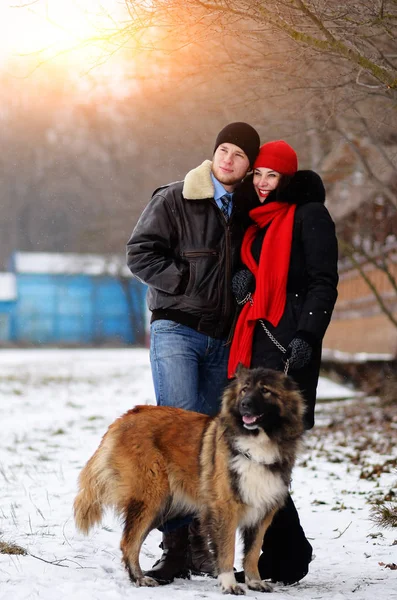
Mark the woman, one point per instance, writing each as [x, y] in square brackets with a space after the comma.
[288, 291]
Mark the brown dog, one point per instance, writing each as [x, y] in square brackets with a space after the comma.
[232, 470]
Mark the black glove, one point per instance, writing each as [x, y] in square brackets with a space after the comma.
[243, 284]
[299, 353]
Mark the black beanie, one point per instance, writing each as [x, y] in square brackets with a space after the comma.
[242, 135]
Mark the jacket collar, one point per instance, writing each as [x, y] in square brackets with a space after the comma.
[198, 184]
[304, 187]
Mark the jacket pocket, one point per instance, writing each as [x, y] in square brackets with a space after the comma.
[204, 275]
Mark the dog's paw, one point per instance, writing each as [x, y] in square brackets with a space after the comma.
[236, 590]
[146, 582]
[229, 585]
[259, 586]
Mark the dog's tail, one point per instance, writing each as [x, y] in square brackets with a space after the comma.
[96, 489]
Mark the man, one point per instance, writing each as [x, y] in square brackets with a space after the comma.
[185, 247]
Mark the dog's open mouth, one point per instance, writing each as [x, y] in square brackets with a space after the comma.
[250, 420]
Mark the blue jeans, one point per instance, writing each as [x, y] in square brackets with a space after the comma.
[189, 371]
[189, 368]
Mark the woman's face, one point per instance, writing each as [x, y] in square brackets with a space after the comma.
[265, 180]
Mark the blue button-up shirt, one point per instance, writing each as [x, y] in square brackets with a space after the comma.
[219, 192]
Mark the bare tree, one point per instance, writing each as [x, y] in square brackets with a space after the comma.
[320, 73]
[358, 34]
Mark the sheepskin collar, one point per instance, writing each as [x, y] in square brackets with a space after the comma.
[198, 183]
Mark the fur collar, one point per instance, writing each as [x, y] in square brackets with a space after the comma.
[305, 186]
[198, 183]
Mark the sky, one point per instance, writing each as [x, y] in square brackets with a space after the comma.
[57, 404]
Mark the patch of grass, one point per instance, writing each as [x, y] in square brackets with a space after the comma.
[43, 458]
[71, 404]
[20, 439]
[59, 431]
[374, 536]
[10, 548]
[372, 472]
[94, 418]
[342, 506]
[384, 513]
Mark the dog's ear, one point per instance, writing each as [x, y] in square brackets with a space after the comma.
[241, 370]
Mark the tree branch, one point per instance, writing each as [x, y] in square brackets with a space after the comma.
[382, 187]
[329, 44]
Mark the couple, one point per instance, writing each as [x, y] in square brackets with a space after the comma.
[247, 228]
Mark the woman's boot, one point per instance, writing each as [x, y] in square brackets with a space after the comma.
[286, 553]
[174, 560]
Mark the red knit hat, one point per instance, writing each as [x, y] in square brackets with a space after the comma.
[278, 156]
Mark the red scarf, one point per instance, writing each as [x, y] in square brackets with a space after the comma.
[271, 276]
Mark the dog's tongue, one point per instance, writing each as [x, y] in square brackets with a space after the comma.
[249, 420]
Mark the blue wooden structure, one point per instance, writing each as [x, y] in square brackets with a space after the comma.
[75, 299]
[8, 297]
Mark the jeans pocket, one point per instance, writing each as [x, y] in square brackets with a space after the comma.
[163, 326]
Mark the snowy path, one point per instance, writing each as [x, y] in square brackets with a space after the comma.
[56, 405]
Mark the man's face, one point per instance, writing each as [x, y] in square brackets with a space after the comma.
[229, 165]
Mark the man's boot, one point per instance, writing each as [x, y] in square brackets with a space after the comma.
[173, 562]
[201, 560]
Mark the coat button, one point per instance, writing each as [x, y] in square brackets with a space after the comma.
[310, 313]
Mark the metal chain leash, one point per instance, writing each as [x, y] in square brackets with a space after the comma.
[271, 336]
[268, 333]
[276, 343]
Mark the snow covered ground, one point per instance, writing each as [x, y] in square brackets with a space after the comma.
[55, 407]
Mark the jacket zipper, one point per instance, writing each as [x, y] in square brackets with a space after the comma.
[202, 253]
[228, 269]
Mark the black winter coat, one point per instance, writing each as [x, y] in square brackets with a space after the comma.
[311, 286]
[184, 250]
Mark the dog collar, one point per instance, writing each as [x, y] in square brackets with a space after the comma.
[273, 466]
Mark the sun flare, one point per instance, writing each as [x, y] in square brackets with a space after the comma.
[50, 28]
